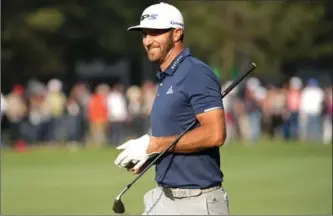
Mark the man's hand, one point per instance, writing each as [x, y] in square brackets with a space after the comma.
[135, 152]
[135, 166]
[137, 169]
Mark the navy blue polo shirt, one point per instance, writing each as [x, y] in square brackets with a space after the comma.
[188, 87]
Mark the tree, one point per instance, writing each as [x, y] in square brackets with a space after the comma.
[43, 36]
[269, 33]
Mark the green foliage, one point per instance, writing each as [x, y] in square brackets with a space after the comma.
[42, 36]
[46, 18]
[45, 36]
[269, 32]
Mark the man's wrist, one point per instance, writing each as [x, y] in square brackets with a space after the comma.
[159, 144]
[153, 146]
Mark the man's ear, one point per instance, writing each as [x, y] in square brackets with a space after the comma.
[177, 34]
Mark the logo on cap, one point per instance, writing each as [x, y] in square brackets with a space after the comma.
[176, 23]
[149, 16]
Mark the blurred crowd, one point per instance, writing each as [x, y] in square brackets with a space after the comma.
[108, 115]
[295, 110]
[43, 113]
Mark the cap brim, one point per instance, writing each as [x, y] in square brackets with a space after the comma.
[140, 27]
[135, 28]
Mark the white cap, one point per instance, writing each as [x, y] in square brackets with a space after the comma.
[260, 92]
[295, 83]
[54, 85]
[160, 16]
[252, 83]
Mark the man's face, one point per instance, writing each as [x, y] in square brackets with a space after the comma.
[157, 43]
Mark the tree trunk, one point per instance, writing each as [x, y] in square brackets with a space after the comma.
[228, 48]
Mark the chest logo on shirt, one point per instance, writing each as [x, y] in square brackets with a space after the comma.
[170, 90]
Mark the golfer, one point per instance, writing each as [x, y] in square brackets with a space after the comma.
[189, 179]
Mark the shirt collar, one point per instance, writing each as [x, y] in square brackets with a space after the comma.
[174, 64]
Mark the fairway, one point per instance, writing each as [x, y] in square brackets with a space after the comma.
[267, 178]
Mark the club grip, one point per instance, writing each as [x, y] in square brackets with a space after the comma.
[238, 80]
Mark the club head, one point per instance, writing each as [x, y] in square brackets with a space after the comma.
[118, 206]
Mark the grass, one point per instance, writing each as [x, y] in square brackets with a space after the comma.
[267, 178]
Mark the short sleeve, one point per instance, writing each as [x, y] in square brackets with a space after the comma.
[203, 89]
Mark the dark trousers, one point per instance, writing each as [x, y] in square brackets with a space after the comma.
[291, 127]
[74, 128]
[276, 123]
[117, 133]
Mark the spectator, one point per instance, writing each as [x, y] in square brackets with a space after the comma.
[293, 105]
[74, 120]
[16, 111]
[118, 114]
[135, 110]
[37, 129]
[98, 115]
[3, 105]
[327, 124]
[3, 111]
[148, 94]
[253, 96]
[54, 104]
[82, 95]
[310, 111]
[275, 102]
[230, 101]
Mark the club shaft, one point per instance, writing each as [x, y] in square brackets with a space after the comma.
[224, 93]
[238, 80]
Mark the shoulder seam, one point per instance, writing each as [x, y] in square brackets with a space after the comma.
[203, 64]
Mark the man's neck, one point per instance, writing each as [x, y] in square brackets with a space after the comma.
[170, 57]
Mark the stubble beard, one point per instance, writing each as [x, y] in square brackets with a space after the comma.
[164, 51]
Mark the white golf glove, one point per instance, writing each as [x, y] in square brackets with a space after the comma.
[134, 151]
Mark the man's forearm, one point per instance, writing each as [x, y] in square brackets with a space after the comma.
[195, 140]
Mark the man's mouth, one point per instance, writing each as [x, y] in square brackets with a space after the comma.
[152, 48]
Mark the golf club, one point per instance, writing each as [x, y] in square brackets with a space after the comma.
[118, 205]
